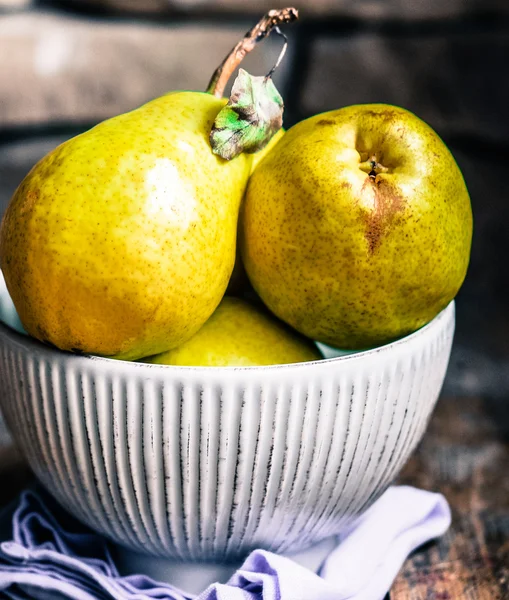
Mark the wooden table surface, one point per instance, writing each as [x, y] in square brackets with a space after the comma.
[465, 456]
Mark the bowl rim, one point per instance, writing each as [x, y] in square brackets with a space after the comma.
[444, 316]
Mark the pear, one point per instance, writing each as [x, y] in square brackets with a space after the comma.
[122, 240]
[357, 229]
[238, 334]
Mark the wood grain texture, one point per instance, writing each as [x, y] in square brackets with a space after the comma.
[465, 455]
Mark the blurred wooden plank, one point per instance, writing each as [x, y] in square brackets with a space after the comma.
[371, 9]
[465, 455]
[69, 69]
[12, 5]
[447, 80]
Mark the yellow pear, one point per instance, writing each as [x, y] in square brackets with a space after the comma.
[357, 229]
[121, 241]
[238, 334]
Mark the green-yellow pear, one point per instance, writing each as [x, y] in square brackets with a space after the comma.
[357, 230]
[122, 240]
[238, 334]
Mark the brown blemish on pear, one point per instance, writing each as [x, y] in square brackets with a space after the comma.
[387, 204]
[385, 114]
[30, 199]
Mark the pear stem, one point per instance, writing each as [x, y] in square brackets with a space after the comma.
[260, 31]
[372, 167]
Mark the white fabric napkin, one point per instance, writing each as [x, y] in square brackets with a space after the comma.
[53, 556]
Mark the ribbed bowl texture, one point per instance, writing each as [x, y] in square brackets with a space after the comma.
[210, 463]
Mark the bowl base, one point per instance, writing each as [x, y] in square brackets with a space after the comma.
[194, 577]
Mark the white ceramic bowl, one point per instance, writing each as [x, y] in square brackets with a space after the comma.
[209, 463]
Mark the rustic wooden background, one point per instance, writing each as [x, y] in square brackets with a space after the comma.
[464, 455]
